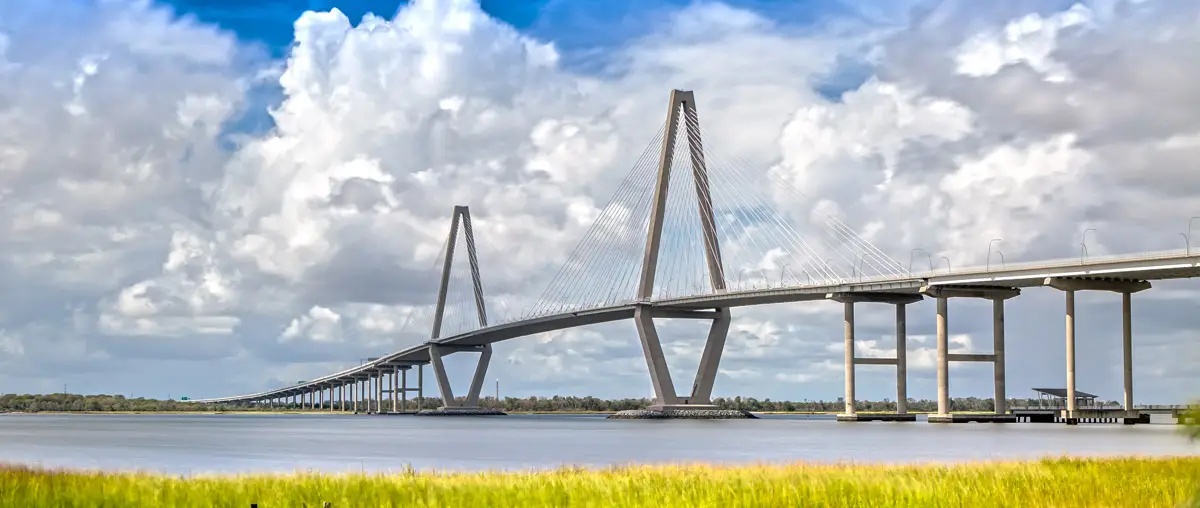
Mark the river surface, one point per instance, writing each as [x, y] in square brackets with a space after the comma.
[237, 443]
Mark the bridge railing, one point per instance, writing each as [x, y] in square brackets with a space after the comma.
[1062, 262]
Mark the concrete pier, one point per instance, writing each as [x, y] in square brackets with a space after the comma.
[877, 417]
[850, 413]
[972, 418]
[943, 362]
[1069, 285]
[997, 295]
[901, 360]
[1072, 399]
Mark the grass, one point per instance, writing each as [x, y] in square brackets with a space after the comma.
[1117, 482]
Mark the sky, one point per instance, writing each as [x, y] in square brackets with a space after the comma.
[206, 199]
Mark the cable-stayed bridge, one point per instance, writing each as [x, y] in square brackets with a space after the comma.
[689, 234]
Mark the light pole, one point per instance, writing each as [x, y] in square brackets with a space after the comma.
[1001, 254]
[988, 266]
[1187, 244]
[860, 263]
[948, 269]
[1188, 237]
[1083, 245]
[914, 251]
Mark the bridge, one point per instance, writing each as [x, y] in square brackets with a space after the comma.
[617, 272]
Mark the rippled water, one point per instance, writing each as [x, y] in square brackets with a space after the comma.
[244, 443]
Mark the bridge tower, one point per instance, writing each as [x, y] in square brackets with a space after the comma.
[462, 215]
[681, 109]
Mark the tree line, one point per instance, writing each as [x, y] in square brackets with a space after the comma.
[61, 402]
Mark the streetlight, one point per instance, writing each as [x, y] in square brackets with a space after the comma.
[910, 259]
[860, 263]
[1187, 244]
[1001, 254]
[948, 270]
[1083, 245]
[988, 266]
[1188, 237]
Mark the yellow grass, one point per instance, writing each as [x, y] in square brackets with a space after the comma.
[1089, 483]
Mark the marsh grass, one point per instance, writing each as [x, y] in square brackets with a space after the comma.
[1118, 482]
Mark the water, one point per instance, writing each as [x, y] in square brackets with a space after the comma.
[188, 444]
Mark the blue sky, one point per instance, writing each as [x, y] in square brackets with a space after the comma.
[582, 30]
[576, 26]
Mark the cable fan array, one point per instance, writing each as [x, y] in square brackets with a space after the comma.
[765, 232]
[763, 242]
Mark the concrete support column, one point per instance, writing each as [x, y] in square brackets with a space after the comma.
[395, 370]
[420, 387]
[379, 392]
[404, 392]
[1001, 402]
[901, 360]
[1127, 346]
[1071, 405]
[354, 394]
[849, 342]
[943, 363]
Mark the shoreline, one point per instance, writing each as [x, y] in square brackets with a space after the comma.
[350, 413]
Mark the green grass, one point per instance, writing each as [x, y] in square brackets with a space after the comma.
[1054, 482]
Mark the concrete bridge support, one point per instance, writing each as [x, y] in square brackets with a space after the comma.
[378, 380]
[449, 403]
[1069, 285]
[944, 357]
[681, 109]
[450, 406]
[666, 398]
[900, 360]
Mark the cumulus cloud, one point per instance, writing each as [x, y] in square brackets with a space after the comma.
[140, 223]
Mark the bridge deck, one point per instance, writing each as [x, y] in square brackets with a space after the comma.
[1140, 267]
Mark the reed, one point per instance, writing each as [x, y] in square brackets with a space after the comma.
[1116, 482]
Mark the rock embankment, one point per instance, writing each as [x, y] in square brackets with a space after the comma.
[682, 414]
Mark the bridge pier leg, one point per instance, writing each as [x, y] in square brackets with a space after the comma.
[943, 361]
[901, 360]
[1001, 400]
[404, 392]
[379, 391]
[656, 362]
[395, 372]
[1072, 406]
[1127, 349]
[420, 387]
[450, 405]
[848, 319]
